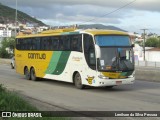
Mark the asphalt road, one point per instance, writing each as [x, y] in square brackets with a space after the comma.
[141, 96]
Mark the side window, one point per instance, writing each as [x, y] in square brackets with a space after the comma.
[25, 46]
[33, 43]
[37, 43]
[66, 42]
[89, 51]
[61, 44]
[18, 44]
[49, 43]
[55, 43]
[76, 43]
[28, 44]
[44, 43]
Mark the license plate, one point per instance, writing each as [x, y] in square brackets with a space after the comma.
[118, 82]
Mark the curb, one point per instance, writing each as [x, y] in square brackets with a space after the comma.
[147, 75]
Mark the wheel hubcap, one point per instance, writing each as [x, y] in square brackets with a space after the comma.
[78, 80]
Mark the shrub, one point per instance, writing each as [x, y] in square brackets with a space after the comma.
[152, 42]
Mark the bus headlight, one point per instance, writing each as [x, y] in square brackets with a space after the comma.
[103, 77]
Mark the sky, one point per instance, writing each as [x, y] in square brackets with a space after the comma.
[134, 17]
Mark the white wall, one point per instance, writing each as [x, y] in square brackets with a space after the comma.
[138, 53]
[153, 56]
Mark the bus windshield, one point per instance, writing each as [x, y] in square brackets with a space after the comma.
[116, 53]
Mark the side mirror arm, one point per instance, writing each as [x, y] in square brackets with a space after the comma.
[98, 51]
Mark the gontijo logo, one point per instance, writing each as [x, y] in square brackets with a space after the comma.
[36, 56]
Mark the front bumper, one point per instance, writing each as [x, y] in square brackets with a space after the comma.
[112, 82]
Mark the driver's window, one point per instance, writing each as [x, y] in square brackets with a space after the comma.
[89, 51]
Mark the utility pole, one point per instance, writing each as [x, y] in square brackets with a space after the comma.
[16, 20]
[144, 40]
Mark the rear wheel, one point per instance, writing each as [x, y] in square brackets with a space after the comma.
[27, 74]
[33, 74]
[78, 81]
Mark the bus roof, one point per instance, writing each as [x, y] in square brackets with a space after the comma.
[104, 32]
[68, 31]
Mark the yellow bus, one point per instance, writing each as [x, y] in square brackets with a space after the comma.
[88, 57]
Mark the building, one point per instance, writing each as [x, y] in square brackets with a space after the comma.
[153, 55]
[5, 33]
[138, 53]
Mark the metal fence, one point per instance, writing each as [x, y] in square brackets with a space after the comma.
[147, 64]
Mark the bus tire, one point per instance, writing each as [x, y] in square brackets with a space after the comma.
[33, 74]
[78, 81]
[27, 73]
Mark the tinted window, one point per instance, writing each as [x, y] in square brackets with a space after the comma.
[37, 43]
[89, 51]
[112, 40]
[45, 43]
[18, 44]
[65, 40]
[76, 43]
[55, 43]
[58, 43]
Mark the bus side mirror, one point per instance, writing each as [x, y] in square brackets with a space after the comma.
[98, 51]
[132, 45]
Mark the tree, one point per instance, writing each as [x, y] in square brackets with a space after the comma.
[159, 42]
[4, 53]
[7, 43]
[152, 42]
[139, 43]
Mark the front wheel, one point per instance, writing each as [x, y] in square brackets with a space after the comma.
[78, 81]
[27, 74]
[33, 74]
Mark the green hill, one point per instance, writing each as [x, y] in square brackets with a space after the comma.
[100, 26]
[7, 15]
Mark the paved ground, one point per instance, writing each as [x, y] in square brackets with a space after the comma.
[53, 95]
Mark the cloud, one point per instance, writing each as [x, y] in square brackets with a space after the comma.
[50, 8]
[148, 5]
[75, 13]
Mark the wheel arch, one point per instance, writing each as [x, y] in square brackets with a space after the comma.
[31, 68]
[24, 69]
